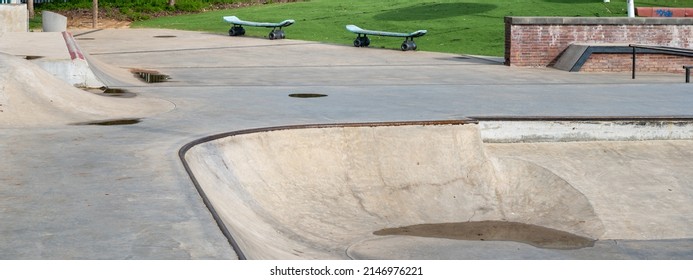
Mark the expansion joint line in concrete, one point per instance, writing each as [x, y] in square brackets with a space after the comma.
[192, 49]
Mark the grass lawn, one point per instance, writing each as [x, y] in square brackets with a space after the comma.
[468, 26]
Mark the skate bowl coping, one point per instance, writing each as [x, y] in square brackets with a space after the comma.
[311, 192]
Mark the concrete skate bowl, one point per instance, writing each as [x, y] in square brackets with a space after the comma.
[318, 191]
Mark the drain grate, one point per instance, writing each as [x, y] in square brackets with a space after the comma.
[151, 76]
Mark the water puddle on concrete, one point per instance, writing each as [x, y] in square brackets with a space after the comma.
[150, 76]
[538, 236]
[111, 92]
[112, 122]
[307, 95]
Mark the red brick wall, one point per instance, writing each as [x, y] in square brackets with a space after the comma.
[600, 62]
[539, 41]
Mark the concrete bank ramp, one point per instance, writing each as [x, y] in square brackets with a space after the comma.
[32, 97]
[316, 192]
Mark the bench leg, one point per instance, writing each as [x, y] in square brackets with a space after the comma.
[688, 74]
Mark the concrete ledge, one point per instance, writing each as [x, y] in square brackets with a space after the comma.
[597, 20]
[546, 129]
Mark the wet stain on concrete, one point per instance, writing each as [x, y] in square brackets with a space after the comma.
[112, 92]
[112, 122]
[307, 95]
[538, 236]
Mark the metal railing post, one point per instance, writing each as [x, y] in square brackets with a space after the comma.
[633, 69]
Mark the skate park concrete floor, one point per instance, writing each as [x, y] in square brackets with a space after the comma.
[121, 192]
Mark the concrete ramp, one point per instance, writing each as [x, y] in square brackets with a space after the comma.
[112, 76]
[32, 97]
[314, 192]
[570, 57]
[576, 55]
[56, 52]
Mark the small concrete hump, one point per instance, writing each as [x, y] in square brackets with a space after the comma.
[32, 97]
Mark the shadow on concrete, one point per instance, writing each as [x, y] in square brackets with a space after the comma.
[429, 11]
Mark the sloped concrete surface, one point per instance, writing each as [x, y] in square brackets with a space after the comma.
[30, 96]
[55, 52]
[640, 189]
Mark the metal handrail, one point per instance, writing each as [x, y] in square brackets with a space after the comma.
[664, 50]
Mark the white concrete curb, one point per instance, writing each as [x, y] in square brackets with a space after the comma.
[516, 131]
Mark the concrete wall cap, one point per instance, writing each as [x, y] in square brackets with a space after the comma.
[598, 20]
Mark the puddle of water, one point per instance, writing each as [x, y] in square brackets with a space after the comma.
[307, 95]
[112, 122]
[150, 76]
[111, 92]
[537, 236]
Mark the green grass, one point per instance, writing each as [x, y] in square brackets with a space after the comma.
[470, 26]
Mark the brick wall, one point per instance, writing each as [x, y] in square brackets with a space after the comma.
[539, 41]
[600, 62]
